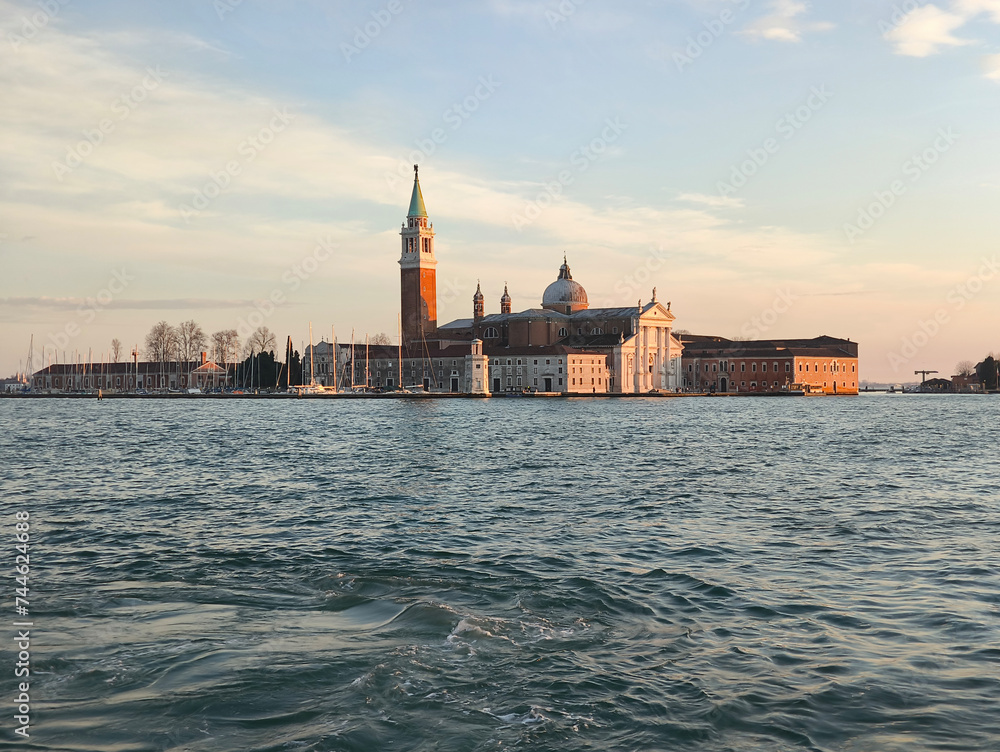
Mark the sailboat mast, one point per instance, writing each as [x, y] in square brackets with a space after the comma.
[352, 359]
[368, 380]
[399, 350]
[312, 357]
[333, 355]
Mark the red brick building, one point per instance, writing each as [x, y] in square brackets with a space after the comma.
[824, 364]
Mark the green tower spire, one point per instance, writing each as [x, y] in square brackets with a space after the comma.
[417, 208]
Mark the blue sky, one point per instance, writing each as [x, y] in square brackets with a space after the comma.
[775, 168]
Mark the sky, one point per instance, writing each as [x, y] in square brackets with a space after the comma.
[775, 168]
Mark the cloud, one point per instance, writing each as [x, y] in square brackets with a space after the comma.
[783, 23]
[991, 66]
[713, 201]
[925, 31]
[971, 8]
[75, 303]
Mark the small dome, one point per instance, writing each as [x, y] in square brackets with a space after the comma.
[565, 295]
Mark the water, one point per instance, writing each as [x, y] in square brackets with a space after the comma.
[696, 574]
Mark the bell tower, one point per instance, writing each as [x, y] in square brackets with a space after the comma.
[417, 271]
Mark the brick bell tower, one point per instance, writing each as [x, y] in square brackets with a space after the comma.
[417, 273]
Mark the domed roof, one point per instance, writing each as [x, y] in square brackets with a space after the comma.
[564, 293]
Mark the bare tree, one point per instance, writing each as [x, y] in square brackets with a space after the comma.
[225, 346]
[189, 341]
[160, 342]
[116, 350]
[381, 339]
[262, 340]
[965, 368]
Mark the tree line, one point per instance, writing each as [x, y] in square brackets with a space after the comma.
[985, 371]
[252, 363]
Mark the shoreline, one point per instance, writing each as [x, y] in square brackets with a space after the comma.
[398, 395]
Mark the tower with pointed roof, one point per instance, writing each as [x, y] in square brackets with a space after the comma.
[478, 304]
[417, 269]
[505, 301]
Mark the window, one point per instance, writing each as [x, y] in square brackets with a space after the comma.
[534, 370]
[580, 330]
[560, 363]
[597, 330]
[563, 332]
[491, 333]
[753, 367]
[536, 363]
[574, 382]
[519, 381]
[763, 367]
[536, 382]
[743, 368]
[560, 382]
[518, 361]
[614, 330]
[788, 367]
[508, 381]
[715, 368]
[775, 367]
[508, 361]
[548, 362]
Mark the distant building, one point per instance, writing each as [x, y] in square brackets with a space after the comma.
[14, 384]
[937, 385]
[969, 383]
[563, 346]
[822, 364]
[129, 376]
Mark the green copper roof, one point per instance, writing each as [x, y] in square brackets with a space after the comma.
[417, 208]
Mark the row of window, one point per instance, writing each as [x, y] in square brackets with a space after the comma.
[725, 367]
[491, 332]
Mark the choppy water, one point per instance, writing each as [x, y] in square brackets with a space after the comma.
[696, 574]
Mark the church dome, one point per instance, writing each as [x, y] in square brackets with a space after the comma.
[565, 295]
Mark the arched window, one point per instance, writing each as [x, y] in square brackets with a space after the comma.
[491, 333]
[563, 332]
[597, 330]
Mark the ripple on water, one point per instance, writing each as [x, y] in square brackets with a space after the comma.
[453, 575]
